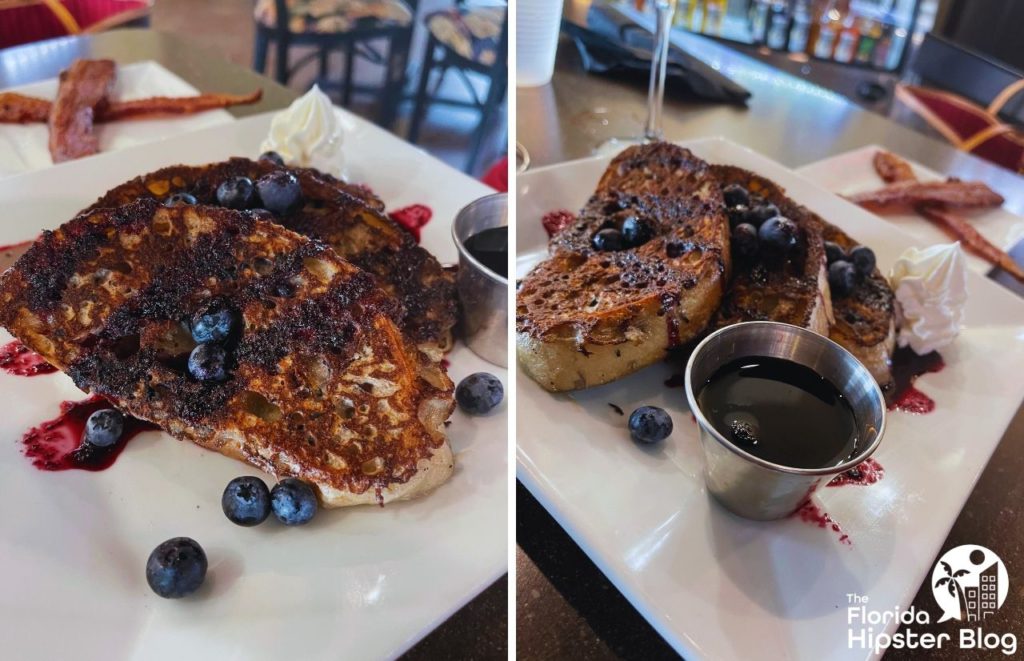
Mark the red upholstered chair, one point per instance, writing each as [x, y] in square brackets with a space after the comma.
[25, 21]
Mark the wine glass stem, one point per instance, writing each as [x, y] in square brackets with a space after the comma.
[659, 60]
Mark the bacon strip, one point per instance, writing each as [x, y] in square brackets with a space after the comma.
[912, 193]
[84, 88]
[891, 168]
[183, 105]
[20, 109]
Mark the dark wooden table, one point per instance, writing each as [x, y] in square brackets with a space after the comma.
[565, 605]
[480, 629]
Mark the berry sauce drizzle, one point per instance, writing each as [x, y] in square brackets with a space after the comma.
[55, 445]
[413, 218]
[867, 472]
[556, 221]
[906, 367]
[811, 513]
[17, 359]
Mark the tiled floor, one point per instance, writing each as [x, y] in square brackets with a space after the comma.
[226, 26]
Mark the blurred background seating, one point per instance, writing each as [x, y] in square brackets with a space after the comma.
[368, 54]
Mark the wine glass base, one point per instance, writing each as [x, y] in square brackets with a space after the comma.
[613, 146]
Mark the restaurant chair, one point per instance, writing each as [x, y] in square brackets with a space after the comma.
[348, 25]
[27, 21]
[973, 101]
[469, 39]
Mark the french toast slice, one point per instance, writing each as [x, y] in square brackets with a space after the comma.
[321, 383]
[865, 319]
[347, 217]
[792, 289]
[586, 316]
[797, 291]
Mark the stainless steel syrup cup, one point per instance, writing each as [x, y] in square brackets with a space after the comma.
[753, 487]
[483, 294]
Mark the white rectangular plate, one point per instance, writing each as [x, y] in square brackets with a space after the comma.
[361, 582]
[853, 172]
[720, 587]
[24, 147]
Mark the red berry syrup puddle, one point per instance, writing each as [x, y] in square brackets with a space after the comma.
[17, 359]
[903, 395]
[56, 445]
[556, 221]
[809, 512]
[413, 218]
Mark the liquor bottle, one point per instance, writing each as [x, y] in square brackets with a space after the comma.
[778, 25]
[870, 33]
[823, 45]
[799, 31]
[758, 16]
[885, 41]
[846, 42]
[714, 12]
[691, 14]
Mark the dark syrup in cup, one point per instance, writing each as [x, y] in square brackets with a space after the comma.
[780, 411]
[490, 248]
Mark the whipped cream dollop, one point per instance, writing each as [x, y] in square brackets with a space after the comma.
[308, 133]
[931, 291]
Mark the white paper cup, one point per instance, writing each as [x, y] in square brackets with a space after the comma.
[537, 27]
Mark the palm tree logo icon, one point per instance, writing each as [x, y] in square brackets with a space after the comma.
[952, 582]
[969, 583]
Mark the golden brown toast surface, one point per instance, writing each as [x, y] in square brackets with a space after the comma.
[348, 218]
[587, 316]
[321, 384]
[792, 289]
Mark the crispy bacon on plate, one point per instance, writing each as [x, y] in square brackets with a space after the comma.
[911, 193]
[20, 109]
[84, 89]
[892, 169]
[184, 105]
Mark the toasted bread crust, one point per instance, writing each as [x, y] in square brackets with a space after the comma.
[322, 385]
[792, 290]
[349, 219]
[586, 317]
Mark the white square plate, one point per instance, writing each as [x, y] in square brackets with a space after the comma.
[720, 587]
[362, 582]
[853, 172]
[23, 147]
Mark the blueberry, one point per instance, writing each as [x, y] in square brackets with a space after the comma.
[834, 252]
[744, 240]
[736, 195]
[737, 215]
[863, 259]
[236, 193]
[214, 326]
[743, 432]
[479, 393]
[207, 362]
[760, 213]
[842, 278]
[273, 157]
[280, 191]
[293, 502]
[608, 239]
[176, 568]
[246, 501]
[779, 233]
[104, 428]
[635, 232]
[650, 424]
[180, 200]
